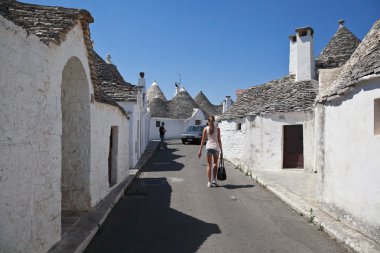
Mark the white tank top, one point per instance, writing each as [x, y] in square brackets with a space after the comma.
[212, 139]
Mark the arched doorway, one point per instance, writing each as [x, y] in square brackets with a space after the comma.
[76, 137]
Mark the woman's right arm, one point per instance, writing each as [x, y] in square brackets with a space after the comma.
[220, 141]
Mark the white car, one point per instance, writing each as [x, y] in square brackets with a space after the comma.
[192, 134]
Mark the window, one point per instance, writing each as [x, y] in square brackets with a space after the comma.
[377, 116]
[197, 122]
[158, 123]
[238, 126]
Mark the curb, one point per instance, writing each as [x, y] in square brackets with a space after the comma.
[346, 236]
[78, 237]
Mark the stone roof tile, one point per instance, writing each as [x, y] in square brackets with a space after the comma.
[158, 108]
[364, 61]
[49, 23]
[181, 105]
[338, 50]
[111, 81]
[206, 106]
[154, 91]
[280, 95]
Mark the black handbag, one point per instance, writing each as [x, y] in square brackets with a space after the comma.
[221, 174]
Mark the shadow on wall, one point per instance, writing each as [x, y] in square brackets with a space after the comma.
[366, 85]
[144, 222]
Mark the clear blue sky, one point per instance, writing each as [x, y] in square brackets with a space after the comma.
[217, 46]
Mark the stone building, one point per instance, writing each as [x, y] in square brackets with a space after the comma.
[330, 125]
[64, 142]
[131, 99]
[179, 112]
[209, 109]
[347, 119]
[271, 126]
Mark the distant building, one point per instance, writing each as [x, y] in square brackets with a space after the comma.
[179, 112]
[131, 99]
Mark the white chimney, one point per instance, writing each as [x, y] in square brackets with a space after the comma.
[177, 88]
[305, 69]
[227, 103]
[292, 54]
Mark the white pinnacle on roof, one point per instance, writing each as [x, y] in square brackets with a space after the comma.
[154, 91]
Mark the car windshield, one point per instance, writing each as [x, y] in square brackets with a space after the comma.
[194, 129]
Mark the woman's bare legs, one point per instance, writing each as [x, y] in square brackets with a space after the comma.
[215, 168]
[209, 162]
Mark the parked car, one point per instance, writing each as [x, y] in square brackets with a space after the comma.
[192, 134]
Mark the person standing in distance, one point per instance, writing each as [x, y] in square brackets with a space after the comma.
[213, 147]
[162, 131]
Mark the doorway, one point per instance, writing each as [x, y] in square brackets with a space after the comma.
[76, 137]
[112, 156]
[293, 147]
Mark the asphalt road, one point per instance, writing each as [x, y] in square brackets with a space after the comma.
[169, 208]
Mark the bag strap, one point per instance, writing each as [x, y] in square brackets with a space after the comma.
[221, 160]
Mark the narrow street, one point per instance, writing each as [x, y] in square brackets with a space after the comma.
[169, 208]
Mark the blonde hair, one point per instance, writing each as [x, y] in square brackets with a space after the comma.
[211, 120]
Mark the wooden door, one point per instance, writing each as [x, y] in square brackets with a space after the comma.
[110, 159]
[293, 146]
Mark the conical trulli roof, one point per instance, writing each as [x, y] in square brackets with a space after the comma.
[339, 49]
[206, 106]
[365, 61]
[182, 105]
[154, 91]
[159, 108]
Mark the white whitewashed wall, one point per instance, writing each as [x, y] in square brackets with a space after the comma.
[174, 127]
[259, 143]
[349, 176]
[103, 118]
[197, 115]
[138, 129]
[233, 141]
[30, 136]
[133, 114]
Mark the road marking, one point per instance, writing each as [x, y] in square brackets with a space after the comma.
[175, 179]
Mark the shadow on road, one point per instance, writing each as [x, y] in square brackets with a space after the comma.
[144, 222]
[164, 160]
[231, 186]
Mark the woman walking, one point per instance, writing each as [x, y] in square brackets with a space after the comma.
[213, 147]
